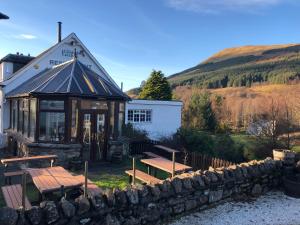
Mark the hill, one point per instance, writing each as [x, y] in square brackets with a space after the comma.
[243, 66]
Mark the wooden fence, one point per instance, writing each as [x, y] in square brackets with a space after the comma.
[194, 159]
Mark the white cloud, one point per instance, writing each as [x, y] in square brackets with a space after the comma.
[217, 6]
[25, 36]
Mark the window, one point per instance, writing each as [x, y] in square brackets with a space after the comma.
[32, 116]
[74, 122]
[52, 126]
[52, 121]
[139, 115]
[90, 104]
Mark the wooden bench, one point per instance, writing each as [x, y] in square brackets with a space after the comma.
[167, 149]
[13, 196]
[93, 189]
[152, 155]
[144, 177]
[9, 175]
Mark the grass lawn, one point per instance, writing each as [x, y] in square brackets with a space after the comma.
[111, 176]
[296, 148]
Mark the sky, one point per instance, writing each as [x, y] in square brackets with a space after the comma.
[130, 38]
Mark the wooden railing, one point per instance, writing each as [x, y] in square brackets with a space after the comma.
[196, 160]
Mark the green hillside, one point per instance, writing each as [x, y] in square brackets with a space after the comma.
[243, 66]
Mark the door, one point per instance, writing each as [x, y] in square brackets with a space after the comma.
[94, 135]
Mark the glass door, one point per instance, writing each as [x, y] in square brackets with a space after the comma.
[94, 135]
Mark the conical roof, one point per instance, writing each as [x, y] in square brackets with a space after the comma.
[70, 78]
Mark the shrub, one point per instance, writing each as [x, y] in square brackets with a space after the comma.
[134, 134]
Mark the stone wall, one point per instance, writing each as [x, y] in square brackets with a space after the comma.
[144, 204]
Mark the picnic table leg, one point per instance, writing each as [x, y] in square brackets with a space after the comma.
[62, 190]
[23, 191]
[85, 178]
[133, 168]
[173, 166]
[51, 162]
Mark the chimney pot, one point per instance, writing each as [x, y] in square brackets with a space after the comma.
[59, 31]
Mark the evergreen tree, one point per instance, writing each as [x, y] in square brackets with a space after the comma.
[200, 113]
[156, 87]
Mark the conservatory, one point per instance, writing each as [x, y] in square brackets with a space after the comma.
[68, 110]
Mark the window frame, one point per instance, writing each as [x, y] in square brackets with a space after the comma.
[135, 115]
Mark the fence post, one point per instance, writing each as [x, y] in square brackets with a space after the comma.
[85, 178]
[133, 168]
[173, 167]
[23, 191]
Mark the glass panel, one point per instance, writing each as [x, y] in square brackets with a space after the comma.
[87, 129]
[136, 116]
[51, 105]
[15, 114]
[130, 116]
[52, 126]
[148, 115]
[90, 104]
[32, 117]
[25, 117]
[112, 119]
[100, 135]
[74, 123]
[121, 122]
[20, 116]
[121, 107]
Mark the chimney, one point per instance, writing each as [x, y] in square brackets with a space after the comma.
[59, 32]
[121, 86]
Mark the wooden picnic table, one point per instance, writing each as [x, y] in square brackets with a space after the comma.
[166, 165]
[167, 149]
[53, 179]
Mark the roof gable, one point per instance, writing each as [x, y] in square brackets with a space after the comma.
[57, 54]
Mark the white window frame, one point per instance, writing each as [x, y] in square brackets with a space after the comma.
[139, 115]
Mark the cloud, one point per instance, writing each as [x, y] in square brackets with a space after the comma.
[218, 6]
[25, 36]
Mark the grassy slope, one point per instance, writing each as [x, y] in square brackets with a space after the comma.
[272, 63]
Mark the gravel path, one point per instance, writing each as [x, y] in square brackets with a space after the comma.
[274, 208]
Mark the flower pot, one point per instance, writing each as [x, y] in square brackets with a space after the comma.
[287, 156]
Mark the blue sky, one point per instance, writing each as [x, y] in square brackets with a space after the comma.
[132, 37]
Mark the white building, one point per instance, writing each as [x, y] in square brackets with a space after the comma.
[157, 118]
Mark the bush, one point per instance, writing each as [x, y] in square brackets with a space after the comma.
[134, 134]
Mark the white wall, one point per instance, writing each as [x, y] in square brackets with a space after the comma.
[6, 69]
[166, 117]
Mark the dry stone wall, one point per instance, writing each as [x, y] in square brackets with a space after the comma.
[144, 204]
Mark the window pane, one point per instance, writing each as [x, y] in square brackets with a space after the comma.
[20, 116]
[121, 107]
[136, 116]
[148, 115]
[32, 117]
[52, 105]
[74, 123]
[89, 104]
[112, 118]
[130, 115]
[25, 117]
[52, 126]
[15, 114]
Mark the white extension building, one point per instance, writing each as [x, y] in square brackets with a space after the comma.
[158, 118]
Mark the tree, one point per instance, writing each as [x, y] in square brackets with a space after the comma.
[200, 113]
[156, 87]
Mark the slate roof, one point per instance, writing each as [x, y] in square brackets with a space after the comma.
[17, 58]
[70, 78]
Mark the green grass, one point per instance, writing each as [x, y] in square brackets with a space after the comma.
[113, 175]
[296, 148]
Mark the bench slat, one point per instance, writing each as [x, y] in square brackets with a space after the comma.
[153, 155]
[142, 176]
[13, 174]
[13, 196]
